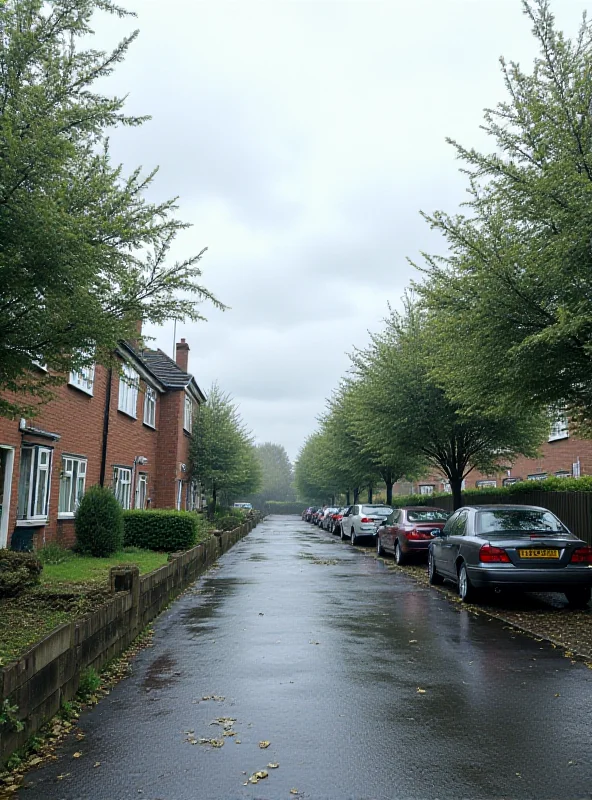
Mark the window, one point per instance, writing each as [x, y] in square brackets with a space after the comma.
[128, 391]
[72, 483]
[426, 489]
[460, 526]
[188, 414]
[486, 484]
[122, 485]
[141, 490]
[562, 473]
[150, 407]
[510, 481]
[83, 379]
[559, 429]
[540, 476]
[34, 483]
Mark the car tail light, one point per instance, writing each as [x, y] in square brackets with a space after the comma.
[339, 516]
[583, 555]
[415, 534]
[493, 555]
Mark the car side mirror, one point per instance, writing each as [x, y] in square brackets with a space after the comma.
[384, 523]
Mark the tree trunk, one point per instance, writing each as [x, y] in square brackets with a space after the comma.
[332, 501]
[356, 494]
[214, 500]
[347, 503]
[389, 493]
[456, 488]
[370, 493]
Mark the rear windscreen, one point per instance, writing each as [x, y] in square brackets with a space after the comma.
[427, 516]
[512, 520]
[376, 511]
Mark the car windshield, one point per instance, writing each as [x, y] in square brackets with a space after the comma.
[376, 511]
[518, 520]
[431, 515]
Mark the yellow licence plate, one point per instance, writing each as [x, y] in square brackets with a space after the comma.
[532, 553]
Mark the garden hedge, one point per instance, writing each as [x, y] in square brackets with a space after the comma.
[164, 530]
[99, 523]
[18, 571]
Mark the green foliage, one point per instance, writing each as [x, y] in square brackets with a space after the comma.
[8, 716]
[83, 252]
[510, 308]
[99, 523]
[18, 572]
[222, 453]
[276, 474]
[53, 553]
[166, 530]
[89, 683]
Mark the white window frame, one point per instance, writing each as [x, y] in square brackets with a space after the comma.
[486, 484]
[426, 488]
[128, 391]
[41, 462]
[122, 486]
[83, 379]
[542, 476]
[141, 493]
[72, 481]
[179, 501]
[559, 429]
[150, 407]
[188, 414]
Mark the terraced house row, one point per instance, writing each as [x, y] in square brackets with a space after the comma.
[127, 427]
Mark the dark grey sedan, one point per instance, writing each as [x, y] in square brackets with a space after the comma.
[520, 547]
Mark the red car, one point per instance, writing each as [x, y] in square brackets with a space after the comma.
[408, 531]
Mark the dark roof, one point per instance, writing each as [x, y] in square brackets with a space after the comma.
[165, 369]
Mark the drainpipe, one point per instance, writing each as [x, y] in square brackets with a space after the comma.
[106, 426]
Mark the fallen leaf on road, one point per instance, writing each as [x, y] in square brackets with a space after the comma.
[76, 755]
[294, 791]
[412, 641]
[313, 642]
[212, 742]
[263, 745]
[237, 741]
[275, 766]
[97, 764]
[34, 761]
[63, 775]
[420, 691]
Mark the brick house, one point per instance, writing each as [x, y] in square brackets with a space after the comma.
[562, 456]
[128, 428]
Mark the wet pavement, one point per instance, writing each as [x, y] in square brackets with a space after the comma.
[366, 685]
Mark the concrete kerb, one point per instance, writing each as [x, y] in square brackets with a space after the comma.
[49, 672]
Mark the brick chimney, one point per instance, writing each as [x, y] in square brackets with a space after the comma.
[182, 355]
[135, 340]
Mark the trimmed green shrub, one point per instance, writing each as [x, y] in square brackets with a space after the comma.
[18, 572]
[228, 523]
[164, 530]
[99, 523]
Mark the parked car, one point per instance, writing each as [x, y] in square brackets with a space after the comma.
[362, 519]
[504, 546]
[408, 531]
[307, 513]
[243, 506]
[326, 518]
[335, 527]
[317, 515]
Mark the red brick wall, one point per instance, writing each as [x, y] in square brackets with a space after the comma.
[173, 450]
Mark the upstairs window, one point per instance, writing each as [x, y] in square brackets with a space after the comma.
[128, 391]
[150, 407]
[34, 482]
[559, 429]
[122, 485]
[188, 414]
[72, 484]
[83, 379]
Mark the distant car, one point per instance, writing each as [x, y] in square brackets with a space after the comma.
[362, 519]
[408, 531]
[505, 546]
[327, 518]
[243, 506]
[316, 516]
[335, 526]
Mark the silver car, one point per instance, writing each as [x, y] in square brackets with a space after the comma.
[362, 520]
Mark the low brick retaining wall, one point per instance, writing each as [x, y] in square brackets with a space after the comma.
[49, 672]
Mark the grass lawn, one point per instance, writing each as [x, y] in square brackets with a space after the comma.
[92, 571]
[68, 590]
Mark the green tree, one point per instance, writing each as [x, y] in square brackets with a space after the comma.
[312, 477]
[511, 302]
[415, 417]
[83, 254]
[277, 475]
[223, 457]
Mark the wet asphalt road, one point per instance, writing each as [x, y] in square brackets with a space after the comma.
[318, 648]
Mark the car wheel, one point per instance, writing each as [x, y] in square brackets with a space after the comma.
[353, 538]
[434, 577]
[466, 590]
[342, 534]
[379, 547]
[335, 530]
[400, 558]
[579, 597]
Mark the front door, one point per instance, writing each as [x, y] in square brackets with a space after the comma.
[6, 466]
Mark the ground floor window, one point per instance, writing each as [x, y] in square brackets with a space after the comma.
[141, 490]
[72, 484]
[122, 485]
[426, 489]
[34, 483]
[486, 484]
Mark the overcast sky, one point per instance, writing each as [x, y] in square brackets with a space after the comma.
[302, 138]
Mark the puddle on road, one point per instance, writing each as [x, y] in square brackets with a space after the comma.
[258, 557]
[161, 673]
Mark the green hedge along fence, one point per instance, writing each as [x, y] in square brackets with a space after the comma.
[164, 530]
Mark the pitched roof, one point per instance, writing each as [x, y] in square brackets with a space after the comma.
[165, 369]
